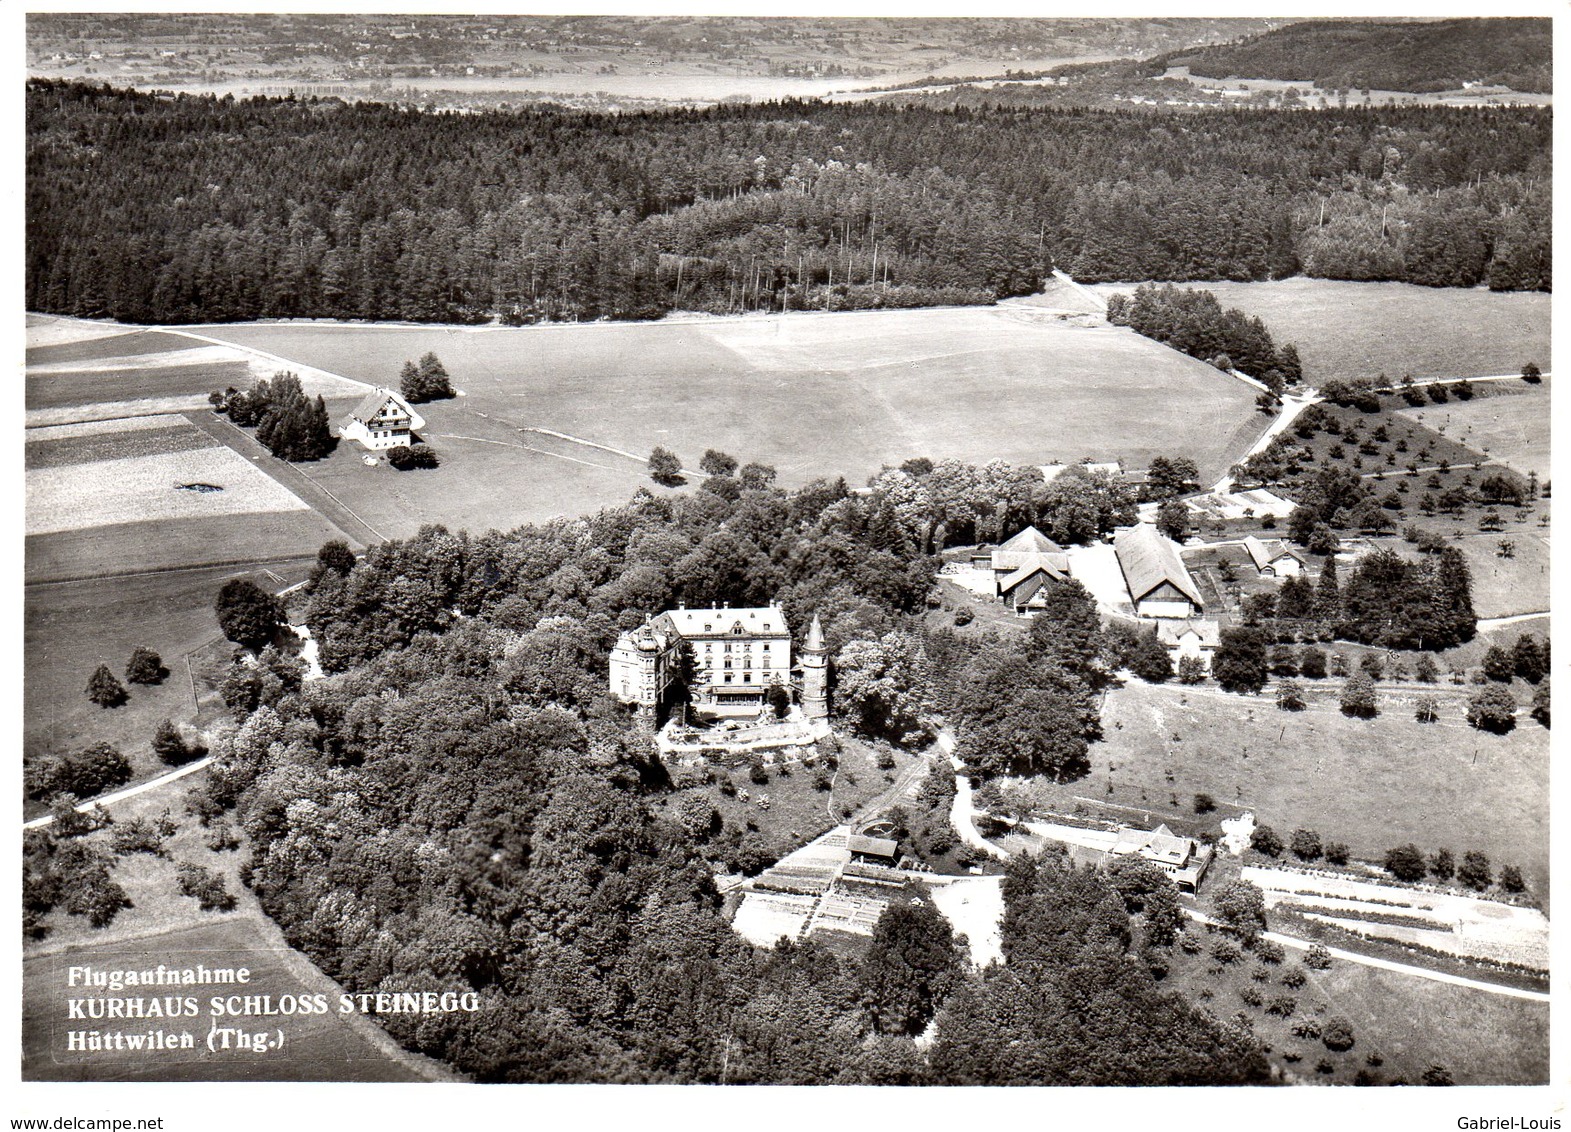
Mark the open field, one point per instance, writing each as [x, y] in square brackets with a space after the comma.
[57, 446]
[1505, 587]
[1349, 330]
[1371, 784]
[71, 628]
[54, 330]
[133, 548]
[814, 394]
[164, 926]
[1481, 1038]
[1407, 1024]
[116, 343]
[1513, 430]
[149, 488]
[55, 389]
[316, 1048]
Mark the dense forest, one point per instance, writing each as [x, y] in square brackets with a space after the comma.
[171, 209]
[1410, 55]
[1194, 323]
[462, 807]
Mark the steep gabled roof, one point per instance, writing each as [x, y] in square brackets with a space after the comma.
[1027, 548]
[1265, 553]
[1034, 564]
[1172, 632]
[1158, 845]
[371, 404]
[1148, 560]
[1031, 540]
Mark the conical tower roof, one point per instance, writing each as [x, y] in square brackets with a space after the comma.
[815, 636]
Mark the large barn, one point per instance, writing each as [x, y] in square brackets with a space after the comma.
[1159, 585]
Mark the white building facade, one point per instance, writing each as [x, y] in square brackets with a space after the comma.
[737, 656]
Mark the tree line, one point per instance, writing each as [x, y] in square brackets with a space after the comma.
[1194, 323]
[1342, 54]
[194, 209]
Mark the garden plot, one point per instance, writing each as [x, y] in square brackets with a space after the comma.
[193, 484]
[762, 918]
[1240, 505]
[1448, 921]
[848, 912]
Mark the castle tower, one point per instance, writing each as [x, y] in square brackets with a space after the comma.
[815, 673]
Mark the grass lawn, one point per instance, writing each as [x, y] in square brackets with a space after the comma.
[1482, 1038]
[1505, 587]
[1513, 430]
[813, 394]
[72, 627]
[1348, 330]
[1372, 784]
[1407, 1023]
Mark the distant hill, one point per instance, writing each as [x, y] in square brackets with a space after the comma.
[1413, 56]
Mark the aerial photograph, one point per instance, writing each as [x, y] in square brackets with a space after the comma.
[744, 550]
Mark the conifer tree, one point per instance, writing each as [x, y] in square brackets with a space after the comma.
[1328, 594]
[104, 690]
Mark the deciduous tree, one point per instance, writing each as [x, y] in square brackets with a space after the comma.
[248, 614]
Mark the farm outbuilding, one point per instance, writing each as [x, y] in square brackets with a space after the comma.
[1023, 567]
[1159, 585]
[873, 850]
[1273, 558]
[1182, 858]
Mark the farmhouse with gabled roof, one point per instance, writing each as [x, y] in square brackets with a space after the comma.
[1023, 567]
[381, 420]
[1198, 639]
[1159, 585]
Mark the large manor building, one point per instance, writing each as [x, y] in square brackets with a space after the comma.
[738, 655]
